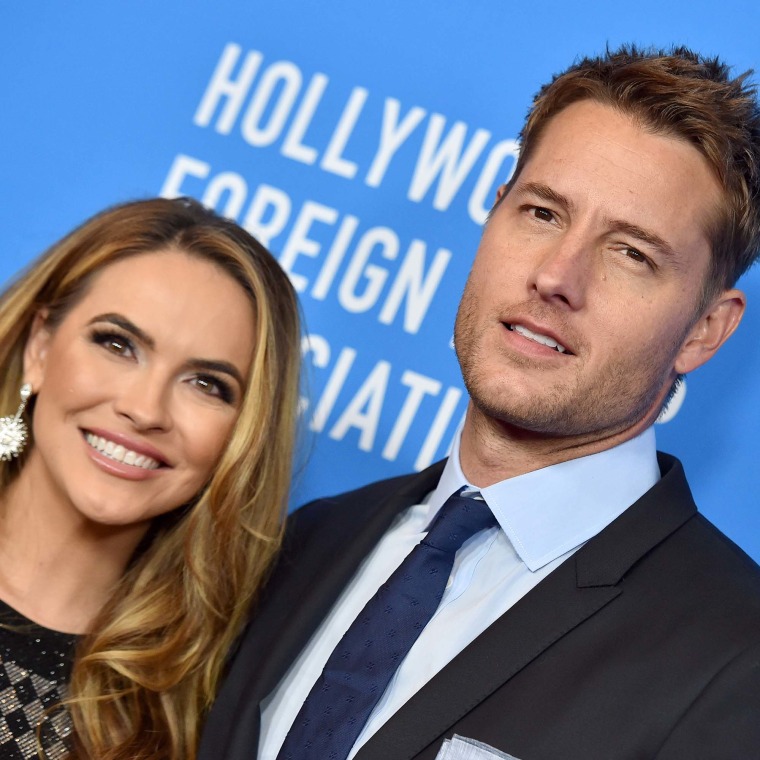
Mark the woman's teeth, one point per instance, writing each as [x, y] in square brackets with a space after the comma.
[119, 453]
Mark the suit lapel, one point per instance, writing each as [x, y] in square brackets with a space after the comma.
[580, 588]
[552, 609]
[307, 581]
[301, 599]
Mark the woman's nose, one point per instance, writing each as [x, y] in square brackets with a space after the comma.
[144, 400]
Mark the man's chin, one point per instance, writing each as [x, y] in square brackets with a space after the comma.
[570, 421]
[536, 419]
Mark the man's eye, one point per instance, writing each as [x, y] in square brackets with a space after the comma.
[632, 253]
[543, 214]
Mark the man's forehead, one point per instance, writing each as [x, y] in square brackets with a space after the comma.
[589, 141]
[597, 115]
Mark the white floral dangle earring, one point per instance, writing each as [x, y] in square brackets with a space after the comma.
[13, 430]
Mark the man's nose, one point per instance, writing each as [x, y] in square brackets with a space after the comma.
[563, 270]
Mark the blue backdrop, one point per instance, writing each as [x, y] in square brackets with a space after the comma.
[363, 143]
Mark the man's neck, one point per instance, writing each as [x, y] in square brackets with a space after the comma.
[492, 451]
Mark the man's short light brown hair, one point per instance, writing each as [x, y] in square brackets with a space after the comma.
[691, 97]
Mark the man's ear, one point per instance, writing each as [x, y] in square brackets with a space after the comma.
[711, 331]
[500, 190]
[36, 350]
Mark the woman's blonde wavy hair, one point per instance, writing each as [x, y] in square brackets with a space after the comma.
[145, 676]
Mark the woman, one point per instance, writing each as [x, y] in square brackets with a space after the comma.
[159, 345]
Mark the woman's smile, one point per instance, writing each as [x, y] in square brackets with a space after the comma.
[119, 453]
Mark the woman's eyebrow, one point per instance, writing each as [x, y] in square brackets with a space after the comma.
[211, 365]
[126, 324]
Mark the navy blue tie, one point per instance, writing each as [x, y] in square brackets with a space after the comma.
[371, 650]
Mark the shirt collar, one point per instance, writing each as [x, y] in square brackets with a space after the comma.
[550, 511]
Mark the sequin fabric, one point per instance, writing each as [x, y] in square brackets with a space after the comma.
[35, 665]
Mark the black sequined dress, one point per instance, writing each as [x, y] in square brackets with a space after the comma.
[35, 665]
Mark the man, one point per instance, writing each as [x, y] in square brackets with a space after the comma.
[599, 615]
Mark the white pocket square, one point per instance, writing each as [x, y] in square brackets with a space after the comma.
[462, 748]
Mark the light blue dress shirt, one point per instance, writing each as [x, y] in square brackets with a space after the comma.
[544, 517]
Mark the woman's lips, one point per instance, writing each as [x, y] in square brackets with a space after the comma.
[120, 453]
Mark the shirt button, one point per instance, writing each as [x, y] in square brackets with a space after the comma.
[449, 582]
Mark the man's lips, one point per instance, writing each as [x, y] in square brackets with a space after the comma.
[538, 335]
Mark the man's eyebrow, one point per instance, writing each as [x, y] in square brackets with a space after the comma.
[650, 238]
[125, 324]
[620, 226]
[546, 193]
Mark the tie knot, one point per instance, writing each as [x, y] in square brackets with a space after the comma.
[460, 518]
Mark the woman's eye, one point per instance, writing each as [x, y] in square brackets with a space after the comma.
[114, 343]
[213, 386]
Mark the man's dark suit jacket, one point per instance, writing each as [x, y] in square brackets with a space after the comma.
[644, 644]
